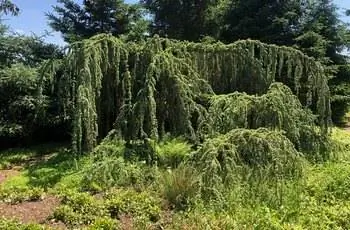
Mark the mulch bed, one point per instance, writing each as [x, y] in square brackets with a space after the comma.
[126, 222]
[30, 212]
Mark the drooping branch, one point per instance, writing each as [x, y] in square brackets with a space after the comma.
[278, 109]
[145, 90]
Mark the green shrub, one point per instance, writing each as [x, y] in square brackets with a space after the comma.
[106, 173]
[67, 215]
[15, 225]
[278, 109]
[181, 186]
[109, 168]
[16, 195]
[329, 182]
[260, 152]
[104, 223]
[318, 215]
[24, 117]
[120, 202]
[199, 219]
[340, 144]
[109, 148]
[79, 208]
[18, 104]
[115, 171]
[171, 153]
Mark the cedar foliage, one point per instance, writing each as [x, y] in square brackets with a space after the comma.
[278, 109]
[254, 153]
[160, 86]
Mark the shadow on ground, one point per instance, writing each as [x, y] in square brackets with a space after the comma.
[43, 165]
[49, 171]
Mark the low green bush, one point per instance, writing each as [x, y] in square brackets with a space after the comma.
[6, 224]
[79, 209]
[105, 223]
[109, 167]
[340, 144]
[278, 109]
[173, 152]
[259, 153]
[16, 195]
[115, 171]
[180, 186]
[329, 182]
[119, 202]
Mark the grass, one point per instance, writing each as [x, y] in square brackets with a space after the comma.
[319, 199]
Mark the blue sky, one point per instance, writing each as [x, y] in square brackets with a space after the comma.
[32, 18]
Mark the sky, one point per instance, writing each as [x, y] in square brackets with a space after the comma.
[32, 17]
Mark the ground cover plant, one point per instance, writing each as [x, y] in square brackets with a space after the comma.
[186, 196]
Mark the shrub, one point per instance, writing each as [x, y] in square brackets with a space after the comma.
[120, 202]
[248, 155]
[16, 195]
[181, 186]
[199, 219]
[171, 153]
[15, 225]
[109, 147]
[26, 118]
[261, 152]
[115, 171]
[278, 109]
[329, 182]
[109, 168]
[104, 223]
[79, 208]
[18, 87]
[340, 144]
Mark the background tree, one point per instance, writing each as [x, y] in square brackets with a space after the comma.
[180, 19]
[78, 22]
[8, 7]
[27, 50]
[24, 117]
[325, 37]
[269, 21]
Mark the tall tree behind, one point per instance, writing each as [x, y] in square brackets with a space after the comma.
[23, 115]
[8, 7]
[78, 22]
[271, 21]
[325, 37]
[180, 19]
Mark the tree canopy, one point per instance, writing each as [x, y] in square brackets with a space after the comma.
[185, 20]
[77, 22]
[276, 22]
[8, 7]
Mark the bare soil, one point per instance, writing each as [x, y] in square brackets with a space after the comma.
[126, 222]
[5, 174]
[30, 212]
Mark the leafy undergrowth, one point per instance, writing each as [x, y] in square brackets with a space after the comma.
[26, 157]
[15, 225]
[108, 191]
